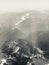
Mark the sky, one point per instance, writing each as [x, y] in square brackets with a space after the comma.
[21, 5]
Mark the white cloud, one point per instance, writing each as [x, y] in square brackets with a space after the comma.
[27, 15]
[18, 22]
[23, 18]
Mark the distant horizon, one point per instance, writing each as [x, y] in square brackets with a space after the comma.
[23, 5]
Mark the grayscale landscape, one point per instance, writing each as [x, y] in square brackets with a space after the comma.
[24, 32]
[32, 26]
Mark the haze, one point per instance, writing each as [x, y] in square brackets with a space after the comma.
[21, 5]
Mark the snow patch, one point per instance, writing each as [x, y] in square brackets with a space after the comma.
[3, 61]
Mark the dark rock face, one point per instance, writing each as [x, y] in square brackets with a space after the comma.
[18, 52]
[43, 43]
[9, 46]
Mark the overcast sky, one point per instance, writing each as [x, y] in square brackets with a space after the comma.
[21, 5]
